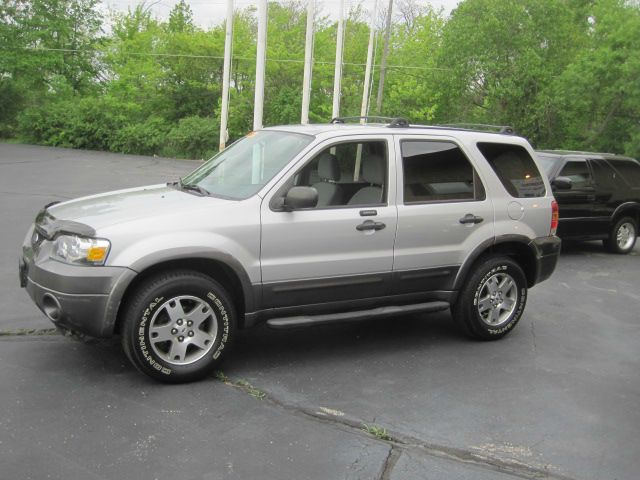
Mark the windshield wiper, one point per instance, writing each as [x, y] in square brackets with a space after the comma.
[195, 188]
[189, 187]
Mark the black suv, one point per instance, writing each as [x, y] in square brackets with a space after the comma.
[598, 195]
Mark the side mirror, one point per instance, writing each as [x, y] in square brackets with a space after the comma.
[562, 183]
[298, 198]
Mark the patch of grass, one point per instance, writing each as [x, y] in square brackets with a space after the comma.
[250, 389]
[241, 384]
[377, 431]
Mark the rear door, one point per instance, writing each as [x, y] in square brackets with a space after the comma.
[443, 213]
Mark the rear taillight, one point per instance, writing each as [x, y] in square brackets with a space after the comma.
[555, 213]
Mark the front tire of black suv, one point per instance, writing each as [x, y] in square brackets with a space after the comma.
[492, 300]
[622, 237]
[178, 326]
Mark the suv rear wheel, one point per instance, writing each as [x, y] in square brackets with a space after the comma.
[622, 237]
[178, 326]
[492, 299]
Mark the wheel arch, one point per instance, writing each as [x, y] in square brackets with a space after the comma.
[627, 209]
[221, 268]
[517, 247]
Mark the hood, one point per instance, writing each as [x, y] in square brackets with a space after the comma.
[111, 208]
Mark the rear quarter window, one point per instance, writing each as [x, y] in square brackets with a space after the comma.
[515, 168]
[629, 170]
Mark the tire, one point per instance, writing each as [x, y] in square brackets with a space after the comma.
[492, 299]
[622, 237]
[178, 326]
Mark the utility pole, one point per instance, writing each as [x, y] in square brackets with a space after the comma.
[385, 54]
[337, 76]
[367, 73]
[261, 54]
[226, 76]
[308, 63]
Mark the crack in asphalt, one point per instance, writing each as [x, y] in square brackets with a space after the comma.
[32, 332]
[390, 462]
[533, 336]
[401, 442]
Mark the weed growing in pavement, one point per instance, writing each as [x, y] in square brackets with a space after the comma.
[250, 389]
[379, 432]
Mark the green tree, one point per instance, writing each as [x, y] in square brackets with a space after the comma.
[499, 58]
[598, 94]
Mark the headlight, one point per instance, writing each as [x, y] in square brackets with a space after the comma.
[80, 250]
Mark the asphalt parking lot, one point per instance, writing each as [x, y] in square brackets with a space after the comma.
[558, 398]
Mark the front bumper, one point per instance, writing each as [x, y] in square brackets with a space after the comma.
[547, 253]
[81, 298]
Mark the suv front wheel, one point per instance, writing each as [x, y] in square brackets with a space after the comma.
[178, 326]
[492, 299]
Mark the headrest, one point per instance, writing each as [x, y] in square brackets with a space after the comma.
[328, 167]
[373, 170]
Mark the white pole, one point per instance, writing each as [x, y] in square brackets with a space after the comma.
[367, 73]
[261, 54]
[308, 63]
[226, 76]
[383, 63]
[337, 76]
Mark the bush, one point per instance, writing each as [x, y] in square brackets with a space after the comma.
[145, 138]
[11, 101]
[90, 123]
[46, 124]
[193, 137]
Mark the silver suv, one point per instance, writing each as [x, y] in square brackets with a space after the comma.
[300, 226]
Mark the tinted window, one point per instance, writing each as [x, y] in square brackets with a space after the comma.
[630, 171]
[578, 172]
[605, 176]
[438, 171]
[515, 168]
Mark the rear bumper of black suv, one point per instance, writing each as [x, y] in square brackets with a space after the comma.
[547, 252]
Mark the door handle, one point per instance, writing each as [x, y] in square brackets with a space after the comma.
[470, 218]
[370, 225]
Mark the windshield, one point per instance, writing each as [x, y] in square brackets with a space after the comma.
[546, 163]
[246, 166]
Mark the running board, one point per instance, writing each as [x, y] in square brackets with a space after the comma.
[324, 319]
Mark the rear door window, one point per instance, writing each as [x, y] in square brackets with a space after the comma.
[578, 172]
[605, 176]
[515, 168]
[437, 171]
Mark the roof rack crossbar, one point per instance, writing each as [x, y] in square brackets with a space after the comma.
[391, 121]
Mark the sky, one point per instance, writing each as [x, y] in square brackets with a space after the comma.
[208, 13]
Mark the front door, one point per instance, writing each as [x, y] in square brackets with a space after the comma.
[577, 205]
[342, 249]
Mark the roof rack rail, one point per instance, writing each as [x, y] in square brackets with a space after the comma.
[505, 129]
[390, 121]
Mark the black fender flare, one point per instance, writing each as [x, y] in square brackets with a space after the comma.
[487, 246]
